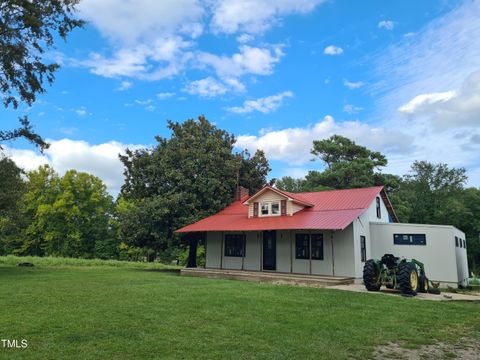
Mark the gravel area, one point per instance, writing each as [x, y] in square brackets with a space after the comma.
[444, 296]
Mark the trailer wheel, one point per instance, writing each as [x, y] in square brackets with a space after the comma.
[371, 275]
[423, 284]
[408, 278]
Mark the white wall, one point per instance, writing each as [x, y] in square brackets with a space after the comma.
[213, 250]
[438, 255]
[361, 227]
[252, 250]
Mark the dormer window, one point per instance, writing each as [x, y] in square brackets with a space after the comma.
[270, 208]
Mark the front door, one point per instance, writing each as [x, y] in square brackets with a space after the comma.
[270, 250]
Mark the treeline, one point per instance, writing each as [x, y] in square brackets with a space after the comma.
[193, 174]
[182, 179]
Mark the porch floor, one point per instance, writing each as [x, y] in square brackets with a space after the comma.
[271, 277]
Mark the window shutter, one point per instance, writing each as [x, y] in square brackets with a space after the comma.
[255, 209]
[283, 207]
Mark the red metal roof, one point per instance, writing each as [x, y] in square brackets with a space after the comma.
[331, 210]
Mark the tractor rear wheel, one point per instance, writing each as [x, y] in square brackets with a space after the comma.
[408, 278]
[422, 284]
[371, 275]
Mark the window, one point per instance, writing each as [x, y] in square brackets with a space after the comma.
[307, 245]
[235, 245]
[409, 239]
[264, 208]
[464, 244]
[379, 209]
[270, 208]
[317, 246]
[363, 248]
[460, 241]
[302, 246]
[456, 241]
[275, 208]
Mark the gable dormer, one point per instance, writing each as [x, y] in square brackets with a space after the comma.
[270, 202]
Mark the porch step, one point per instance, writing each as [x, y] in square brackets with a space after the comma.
[271, 277]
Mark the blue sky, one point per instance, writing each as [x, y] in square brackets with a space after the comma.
[399, 77]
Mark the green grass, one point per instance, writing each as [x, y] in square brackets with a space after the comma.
[69, 262]
[122, 312]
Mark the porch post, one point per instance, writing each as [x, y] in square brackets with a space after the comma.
[291, 250]
[333, 257]
[192, 254]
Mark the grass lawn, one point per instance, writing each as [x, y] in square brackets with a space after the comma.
[72, 311]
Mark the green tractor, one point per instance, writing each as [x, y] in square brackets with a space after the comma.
[406, 275]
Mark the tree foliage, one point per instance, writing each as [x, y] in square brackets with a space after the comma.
[12, 187]
[27, 30]
[66, 215]
[253, 170]
[348, 165]
[191, 175]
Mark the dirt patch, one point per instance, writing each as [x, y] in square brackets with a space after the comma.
[468, 350]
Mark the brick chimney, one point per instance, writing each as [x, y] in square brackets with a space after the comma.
[240, 193]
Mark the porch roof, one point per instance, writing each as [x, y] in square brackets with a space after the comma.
[331, 210]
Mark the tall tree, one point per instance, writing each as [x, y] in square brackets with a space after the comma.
[11, 190]
[348, 165]
[434, 192]
[253, 170]
[27, 30]
[67, 215]
[189, 176]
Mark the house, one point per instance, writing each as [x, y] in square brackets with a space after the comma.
[325, 233]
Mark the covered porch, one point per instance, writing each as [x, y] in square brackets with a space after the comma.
[298, 254]
[268, 277]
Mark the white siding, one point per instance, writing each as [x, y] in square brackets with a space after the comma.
[361, 227]
[283, 251]
[267, 196]
[343, 252]
[252, 250]
[295, 208]
[438, 255]
[213, 250]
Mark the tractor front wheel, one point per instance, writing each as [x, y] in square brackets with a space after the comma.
[408, 278]
[371, 276]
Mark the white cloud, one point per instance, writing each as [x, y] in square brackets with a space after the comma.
[386, 24]
[124, 85]
[451, 108]
[163, 58]
[127, 22]
[208, 87]
[165, 95]
[425, 100]
[353, 85]
[264, 105]
[82, 111]
[333, 50]
[249, 60]
[244, 38]
[293, 145]
[255, 16]
[351, 109]
[100, 160]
